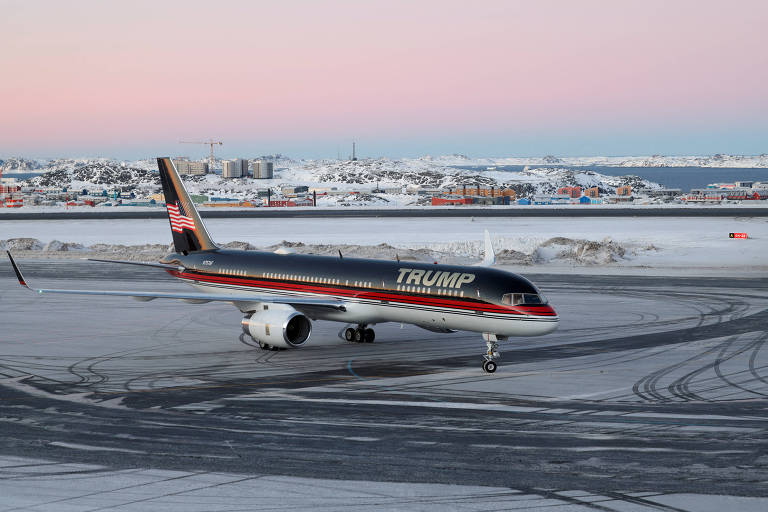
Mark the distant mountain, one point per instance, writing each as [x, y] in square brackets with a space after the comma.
[17, 164]
[718, 160]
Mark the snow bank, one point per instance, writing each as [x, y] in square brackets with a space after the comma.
[21, 244]
[579, 251]
[558, 249]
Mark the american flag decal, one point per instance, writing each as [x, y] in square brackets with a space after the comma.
[179, 221]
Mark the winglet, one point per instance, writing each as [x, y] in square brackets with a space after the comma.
[20, 277]
[490, 255]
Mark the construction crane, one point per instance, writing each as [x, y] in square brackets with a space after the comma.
[210, 142]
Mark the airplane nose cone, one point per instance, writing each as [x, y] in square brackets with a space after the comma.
[551, 316]
[541, 319]
[552, 326]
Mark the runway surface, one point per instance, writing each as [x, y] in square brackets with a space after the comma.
[651, 394]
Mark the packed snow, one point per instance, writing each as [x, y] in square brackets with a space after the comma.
[601, 243]
[42, 484]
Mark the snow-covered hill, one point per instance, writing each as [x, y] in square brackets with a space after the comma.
[76, 174]
[427, 173]
[395, 176]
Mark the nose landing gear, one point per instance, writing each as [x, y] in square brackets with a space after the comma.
[492, 354]
[489, 366]
[362, 334]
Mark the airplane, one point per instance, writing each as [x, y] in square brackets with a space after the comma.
[281, 293]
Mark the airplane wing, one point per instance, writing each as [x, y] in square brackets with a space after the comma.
[140, 263]
[195, 298]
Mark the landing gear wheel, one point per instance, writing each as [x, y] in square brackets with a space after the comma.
[264, 346]
[369, 335]
[489, 366]
[489, 359]
[349, 334]
[359, 334]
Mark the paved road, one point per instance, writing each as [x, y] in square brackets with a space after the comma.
[652, 385]
[501, 211]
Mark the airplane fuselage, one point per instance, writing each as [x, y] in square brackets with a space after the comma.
[433, 296]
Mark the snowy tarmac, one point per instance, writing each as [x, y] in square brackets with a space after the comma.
[651, 396]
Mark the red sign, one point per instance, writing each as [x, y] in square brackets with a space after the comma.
[737, 235]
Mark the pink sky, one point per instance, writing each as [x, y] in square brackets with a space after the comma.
[404, 77]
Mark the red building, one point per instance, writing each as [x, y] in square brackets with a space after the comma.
[9, 189]
[291, 202]
[442, 201]
[573, 192]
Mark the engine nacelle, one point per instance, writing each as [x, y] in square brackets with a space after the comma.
[278, 325]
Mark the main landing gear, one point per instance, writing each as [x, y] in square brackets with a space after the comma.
[362, 334]
[492, 354]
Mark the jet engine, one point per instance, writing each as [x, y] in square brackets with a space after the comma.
[277, 325]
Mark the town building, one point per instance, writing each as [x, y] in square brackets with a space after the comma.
[452, 200]
[708, 195]
[289, 202]
[263, 170]
[572, 192]
[9, 187]
[236, 168]
[664, 193]
[478, 191]
[294, 191]
[190, 167]
[619, 199]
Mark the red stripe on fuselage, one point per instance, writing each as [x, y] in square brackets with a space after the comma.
[542, 310]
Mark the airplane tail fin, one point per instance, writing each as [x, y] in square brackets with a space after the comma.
[189, 233]
[490, 256]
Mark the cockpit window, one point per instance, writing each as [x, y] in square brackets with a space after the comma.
[516, 299]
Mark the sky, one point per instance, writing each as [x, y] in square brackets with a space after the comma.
[402, 78]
